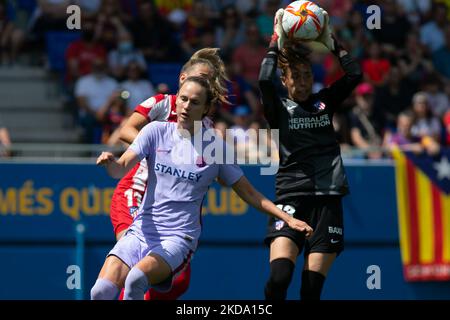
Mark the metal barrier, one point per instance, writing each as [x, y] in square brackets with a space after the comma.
[73, 152]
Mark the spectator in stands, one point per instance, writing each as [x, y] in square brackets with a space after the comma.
[394, 97]
[5, 141]
[165, 7]
[441, 57]
[120, 58]
[92, 92]
[177, 18]
[239, 131]
[341, 128]
[221, 126]
[414, 10]
[197, 22]
[240, 93]
[401, 135]
[242, 118]
[446, 121]
[11, 38]
[153, 34]
[337, 9]
[404, 139]
[230, 33]
[354, 34]
[265, 19]
[207, 39]
[425, 125]
[318, 69]
[248, 8]
[414, 61]
[366, 122]
[395, 27]
[375, 66]
[332, 68]
[112, 114]
[80, 54]
[162, 88]
[48, 15]
[438, 101]
[258, 153]
[136, 85]
[432, 33]
[247, 57]
[90, 8]
[110, 23]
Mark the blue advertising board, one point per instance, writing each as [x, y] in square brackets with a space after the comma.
[45, 201]
[42, 204]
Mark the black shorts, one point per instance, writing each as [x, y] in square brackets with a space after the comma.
[323, 213]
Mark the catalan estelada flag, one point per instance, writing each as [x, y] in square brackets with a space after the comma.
[423, 202]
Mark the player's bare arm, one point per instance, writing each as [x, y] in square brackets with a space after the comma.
[118, 168]
[132, 126]
[249, 194]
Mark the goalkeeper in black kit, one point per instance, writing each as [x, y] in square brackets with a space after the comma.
[311, 181]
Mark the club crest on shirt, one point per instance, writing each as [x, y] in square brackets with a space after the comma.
[133, 211]
[200, 162]
[319, 105]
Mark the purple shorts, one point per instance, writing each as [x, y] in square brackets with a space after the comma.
[133, 247]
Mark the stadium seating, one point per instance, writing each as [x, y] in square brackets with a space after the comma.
[165, 73]
[56, 45]
[27, 5]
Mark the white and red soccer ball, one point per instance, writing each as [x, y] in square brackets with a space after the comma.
[303, 20]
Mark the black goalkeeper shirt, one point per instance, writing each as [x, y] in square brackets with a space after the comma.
[310, 157]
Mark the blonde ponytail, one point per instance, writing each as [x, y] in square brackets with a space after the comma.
[210, 57]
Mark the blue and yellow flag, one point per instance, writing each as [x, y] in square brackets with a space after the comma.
[423, 202]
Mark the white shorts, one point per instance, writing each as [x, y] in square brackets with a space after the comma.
[133, 247]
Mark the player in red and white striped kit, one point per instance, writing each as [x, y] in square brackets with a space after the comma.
[128, 194]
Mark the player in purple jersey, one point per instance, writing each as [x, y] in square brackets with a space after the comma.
[165, 233]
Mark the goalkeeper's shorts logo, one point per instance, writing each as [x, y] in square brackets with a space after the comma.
[279, 224]
[290, 210]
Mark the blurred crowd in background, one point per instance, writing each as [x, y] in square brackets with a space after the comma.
[127, 48]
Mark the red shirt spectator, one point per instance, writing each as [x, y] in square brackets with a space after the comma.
[375, 68]
[333, 70]
[81, 53]
[84, 54]
[248, 56]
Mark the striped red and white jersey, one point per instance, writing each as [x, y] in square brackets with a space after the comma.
[159, 108]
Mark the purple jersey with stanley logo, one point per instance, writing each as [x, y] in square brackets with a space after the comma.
[178, 181]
